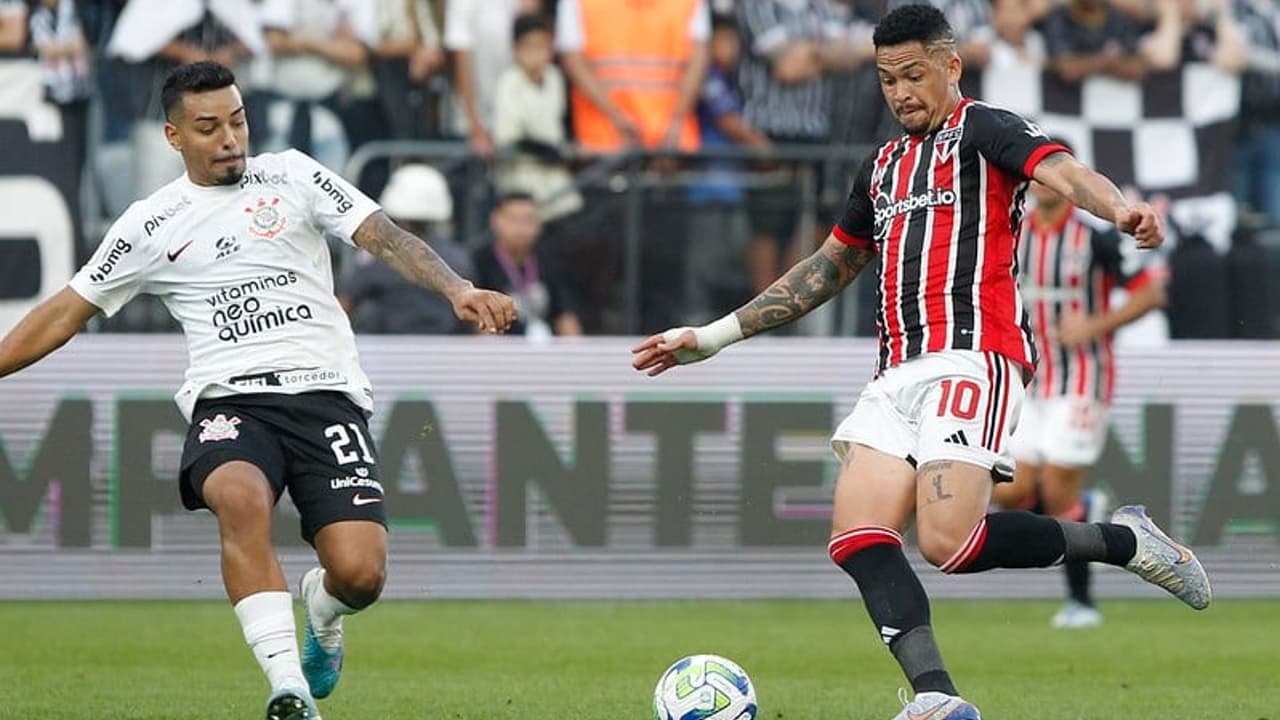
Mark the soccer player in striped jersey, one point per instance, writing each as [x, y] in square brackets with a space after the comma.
[942, 206]
[1068, 269]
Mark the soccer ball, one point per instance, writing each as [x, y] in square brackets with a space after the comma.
[704, 687]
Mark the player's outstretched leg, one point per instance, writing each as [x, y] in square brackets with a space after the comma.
[1161, 561]
[322, 649]
[291, 704]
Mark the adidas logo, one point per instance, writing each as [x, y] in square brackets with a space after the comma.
[887, 634]
[958, 438]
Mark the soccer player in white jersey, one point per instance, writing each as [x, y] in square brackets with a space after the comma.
[236, 250]
[929, 435]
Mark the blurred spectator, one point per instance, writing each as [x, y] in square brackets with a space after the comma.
[1017, 42]
[1089, 37]
[790, 46]
[13, 27]
[1196, 31]
[1258, 144]
[378, 299]
[478, 33]
[319, 45]
[970, 20]
[152, 37]
[636, 70]
[59, 43]
[407, 55]
[529, 111]
[715, 274]
[515, 264]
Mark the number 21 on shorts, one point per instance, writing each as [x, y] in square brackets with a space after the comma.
[959, 399]
[342, 441]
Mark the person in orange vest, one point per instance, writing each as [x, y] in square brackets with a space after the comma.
[636, 68]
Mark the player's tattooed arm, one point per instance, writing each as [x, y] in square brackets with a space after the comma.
[408, 255]
[1088, 190]
[1093, 192]
[808, 284]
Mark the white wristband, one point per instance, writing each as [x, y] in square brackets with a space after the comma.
[715, 336]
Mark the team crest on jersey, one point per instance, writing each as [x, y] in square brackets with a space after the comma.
[220, 427]
[266, 220]
[945, 144]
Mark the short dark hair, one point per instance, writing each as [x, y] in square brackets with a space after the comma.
[724, 21]
[511, 196]
[194, 77]
[529, 23]
[913, 23]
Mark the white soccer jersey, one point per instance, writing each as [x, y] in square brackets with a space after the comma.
[246, 272]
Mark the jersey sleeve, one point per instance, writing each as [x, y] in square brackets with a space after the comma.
[857, 225]
[1009, 141]
[337, 207]
[117, 272]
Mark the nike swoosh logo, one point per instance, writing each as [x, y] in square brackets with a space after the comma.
[1184, 556]
[358, 501]
[173, 254]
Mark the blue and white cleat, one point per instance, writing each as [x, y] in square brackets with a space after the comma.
[1161, 561]
[291, 704]
[320, 667]
[935, 706]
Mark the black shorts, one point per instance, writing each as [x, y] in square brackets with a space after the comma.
[316, 445]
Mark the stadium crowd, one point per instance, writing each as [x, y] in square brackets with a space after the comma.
[542, 93]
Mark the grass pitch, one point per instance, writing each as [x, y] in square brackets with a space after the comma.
[599, 661]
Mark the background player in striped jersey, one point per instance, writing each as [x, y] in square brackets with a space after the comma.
[930, 433]
[1068, 267]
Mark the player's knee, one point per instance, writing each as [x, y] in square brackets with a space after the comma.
[358, 585]
[939, 545]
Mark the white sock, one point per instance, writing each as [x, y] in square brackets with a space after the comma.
[326, 616]
[268, 623]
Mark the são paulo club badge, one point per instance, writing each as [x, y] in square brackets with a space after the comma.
[266, 221]
[220, 427]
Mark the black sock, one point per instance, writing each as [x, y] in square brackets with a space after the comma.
[1104, 542]
[1078, 573]
[899, 607]
[1015, 539]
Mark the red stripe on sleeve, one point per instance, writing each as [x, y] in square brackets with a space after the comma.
[1039, 154]
[852, 240]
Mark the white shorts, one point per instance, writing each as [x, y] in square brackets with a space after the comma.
[1063, 431]
[959, 405]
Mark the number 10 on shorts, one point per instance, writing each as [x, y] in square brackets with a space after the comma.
[959, 399]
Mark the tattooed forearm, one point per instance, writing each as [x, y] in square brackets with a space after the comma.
[408, 255]
[1085, 188]
[805, 286]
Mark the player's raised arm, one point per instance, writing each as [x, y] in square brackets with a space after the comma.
[1093, 192]
[45, 329]
[808, 284]
[414, 259]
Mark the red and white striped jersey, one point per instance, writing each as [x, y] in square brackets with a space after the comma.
[1067, 268]
[944, 210]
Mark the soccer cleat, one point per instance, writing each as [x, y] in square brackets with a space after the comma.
[291, 704]
[935, 706]
[1161, 561]
[1075, 615]
[320, 667]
